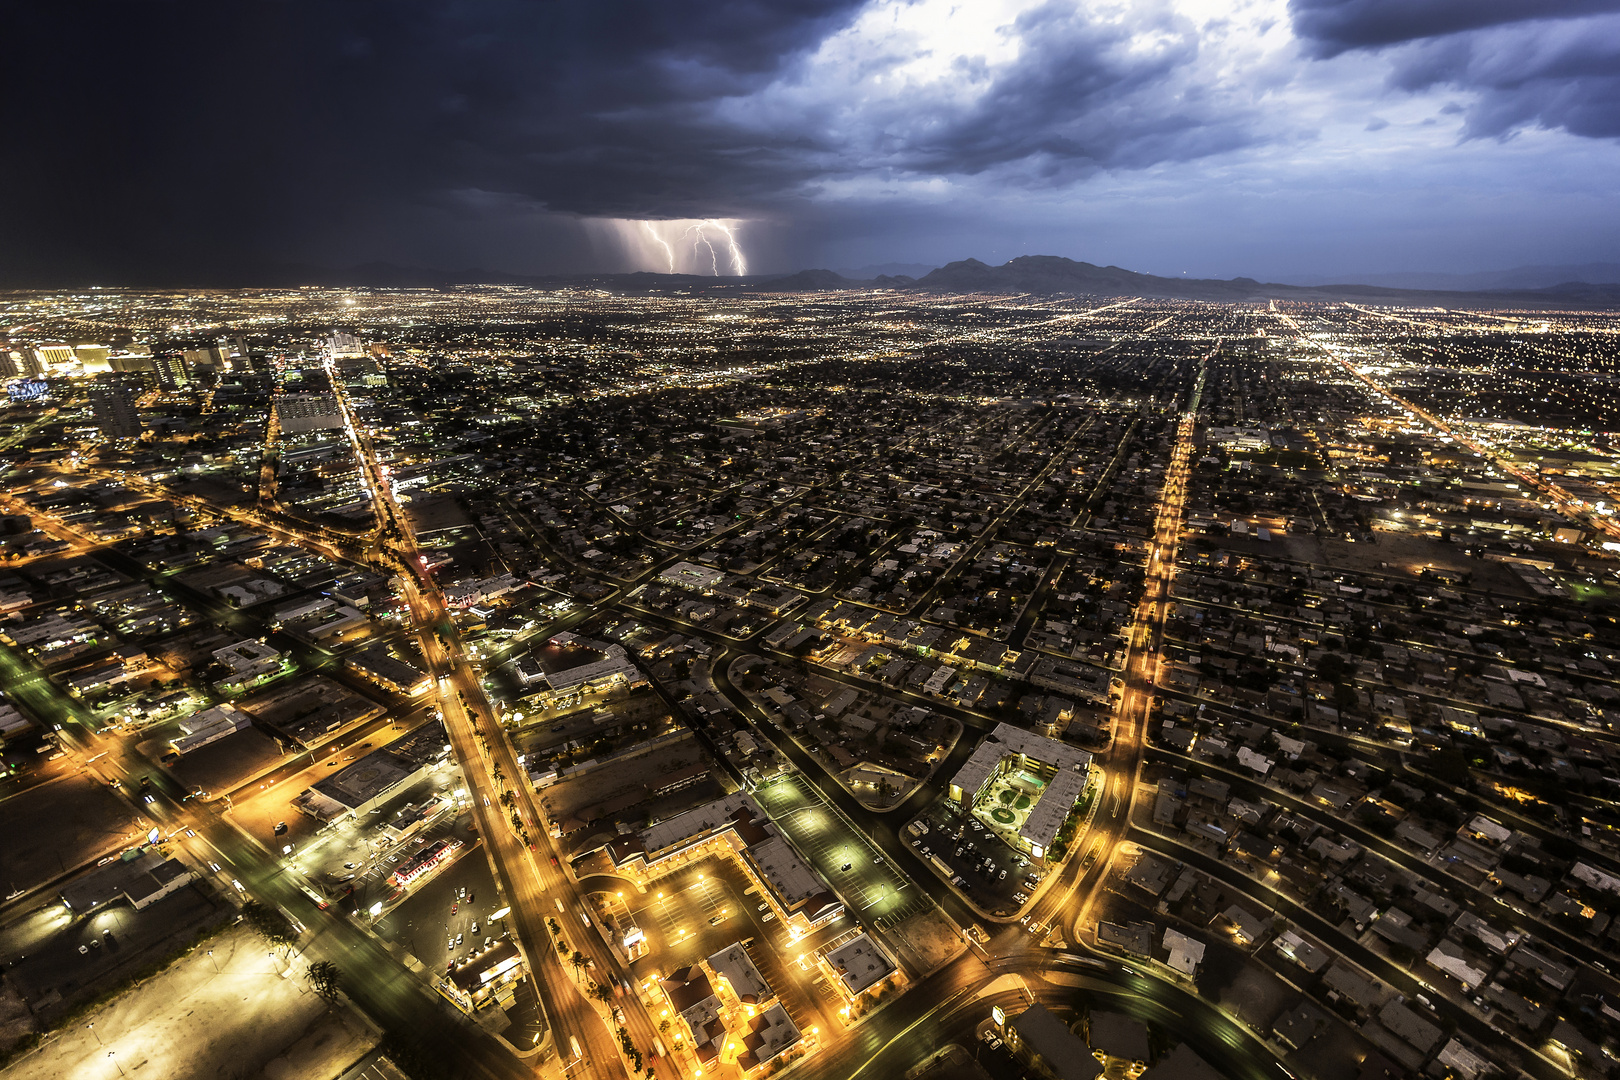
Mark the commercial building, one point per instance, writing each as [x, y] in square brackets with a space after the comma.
[298, 413]
[307, 712]
[467, 593]
[740, 976]
[692, 996]
[112, 404]
[731, 1013]
[858, 965]
[48, 354]
[249, 662]
[573, 665]
[424, 862]
[797, 892]
[766, 1037]
[414, 818]
[376, 665]
[487, 977]
[692, 576]
[208, 727]
[1048, 1048]
[173, 373]
[341, 346]
[1052, 774]
[367, 783]
[140, 878]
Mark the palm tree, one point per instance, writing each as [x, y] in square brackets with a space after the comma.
[578, 960]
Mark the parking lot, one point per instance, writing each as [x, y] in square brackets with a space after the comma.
[454, 901]
[875, 891]
[696, 912]
[676, 912]
[994, 875]
[52, 828]
[704, 908]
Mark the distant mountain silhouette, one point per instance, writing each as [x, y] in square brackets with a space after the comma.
[808, 281]
[880, 270]
[1052, 274]
[1040, 274]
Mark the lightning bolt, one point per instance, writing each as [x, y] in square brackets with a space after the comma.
[668, 251]
[699, 237]
[737, 263]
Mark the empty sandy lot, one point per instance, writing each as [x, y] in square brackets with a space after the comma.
[228, 1015]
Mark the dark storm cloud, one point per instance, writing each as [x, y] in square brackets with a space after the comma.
[179, 137]
[1085, 94]
[1550, 64]
[188, 142]
[1335, 26]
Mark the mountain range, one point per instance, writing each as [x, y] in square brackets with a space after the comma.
[1039, 274]
[1053, 275]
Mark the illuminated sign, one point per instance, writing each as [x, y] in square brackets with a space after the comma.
[152, 837]
[631, 937]
[501, 914]
[998, 1016]
[28, 389]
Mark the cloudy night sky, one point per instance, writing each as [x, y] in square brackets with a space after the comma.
[1288, 140]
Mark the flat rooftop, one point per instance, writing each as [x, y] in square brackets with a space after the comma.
[733, 964]
[860, 964]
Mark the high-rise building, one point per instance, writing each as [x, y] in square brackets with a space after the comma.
[131, 362]
[210, 356]
[10, 364]
[112, 403]
[342, 345]
[173, 373]
[235, 348]
[361, 371]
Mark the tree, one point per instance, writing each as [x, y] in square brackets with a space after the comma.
[578, 960]
[326, 979]
[1332, 668]
[271, 924]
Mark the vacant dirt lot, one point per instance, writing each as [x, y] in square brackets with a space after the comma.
[225, 1016]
